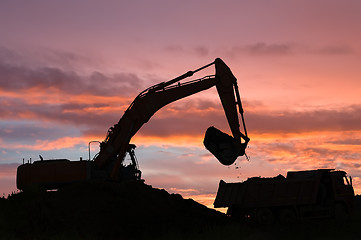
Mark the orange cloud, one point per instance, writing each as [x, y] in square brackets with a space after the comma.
[309, 151]
[46, 145]
[270, 155]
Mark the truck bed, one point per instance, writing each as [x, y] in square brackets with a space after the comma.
[267, 192]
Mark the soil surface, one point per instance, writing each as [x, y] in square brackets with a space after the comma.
[103, 211]
[98, 210]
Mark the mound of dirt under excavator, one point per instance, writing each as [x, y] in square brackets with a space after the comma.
[104, 210]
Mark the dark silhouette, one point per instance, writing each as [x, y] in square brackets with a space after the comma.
[108, 163]
[134, 210]
[301, 195]
[102, 210]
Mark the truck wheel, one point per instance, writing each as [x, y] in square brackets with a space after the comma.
[287, 216]
[265, 216]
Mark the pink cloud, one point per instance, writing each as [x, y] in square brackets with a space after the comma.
[8, 170]
[335, 50]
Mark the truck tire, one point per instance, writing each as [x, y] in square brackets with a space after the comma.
[265, 216]
[287, 216]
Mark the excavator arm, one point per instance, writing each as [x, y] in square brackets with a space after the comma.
[148, 102]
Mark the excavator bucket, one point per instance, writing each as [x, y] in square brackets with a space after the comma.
[224, 147]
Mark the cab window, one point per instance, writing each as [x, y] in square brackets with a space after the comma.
[346, 181]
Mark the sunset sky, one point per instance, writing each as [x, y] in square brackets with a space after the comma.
[69, 69]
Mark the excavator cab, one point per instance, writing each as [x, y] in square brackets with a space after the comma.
[131, 171]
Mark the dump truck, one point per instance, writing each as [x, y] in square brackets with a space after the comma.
[300, 195]
[109, 164]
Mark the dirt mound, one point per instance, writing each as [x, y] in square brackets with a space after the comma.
[99, 210]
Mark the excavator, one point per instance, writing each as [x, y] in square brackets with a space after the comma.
[109, 163]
